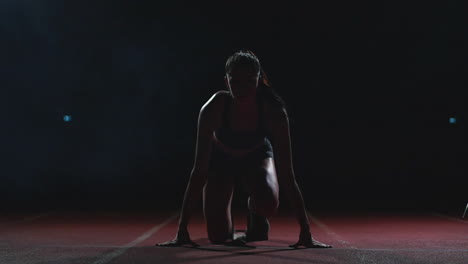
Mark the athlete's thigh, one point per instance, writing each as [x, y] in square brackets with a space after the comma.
[261, 177]
[218, 190]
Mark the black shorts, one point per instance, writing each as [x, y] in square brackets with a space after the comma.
[227, 160]
[221, 161]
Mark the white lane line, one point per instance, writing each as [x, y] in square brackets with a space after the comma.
[259, 247]
[329, 231]
[353, 249]
[459, 220]
[404, 249]
[141, 238]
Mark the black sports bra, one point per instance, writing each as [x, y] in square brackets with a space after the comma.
[241, 140]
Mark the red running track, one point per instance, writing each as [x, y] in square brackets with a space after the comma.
[129, 237]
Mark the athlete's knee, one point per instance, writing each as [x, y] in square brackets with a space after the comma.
[264, 207]
[266, 194]
[268, 209]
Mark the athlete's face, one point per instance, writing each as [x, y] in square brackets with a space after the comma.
[242, 82]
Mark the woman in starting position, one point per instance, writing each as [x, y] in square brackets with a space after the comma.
[233, 147]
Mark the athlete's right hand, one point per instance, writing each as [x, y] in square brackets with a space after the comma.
[182, 238]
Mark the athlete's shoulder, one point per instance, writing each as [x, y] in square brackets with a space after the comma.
[215, 102]
[221, 95]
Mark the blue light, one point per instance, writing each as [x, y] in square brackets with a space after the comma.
[67, 118]
[452, 120]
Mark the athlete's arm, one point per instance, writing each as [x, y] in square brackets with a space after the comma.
[281, 142]
[207, 119]
[205, 127]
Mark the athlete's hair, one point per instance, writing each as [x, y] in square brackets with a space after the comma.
[246, 58]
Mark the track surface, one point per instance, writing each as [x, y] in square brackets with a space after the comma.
[129, 237]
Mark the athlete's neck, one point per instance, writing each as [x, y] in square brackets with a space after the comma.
[244, 103]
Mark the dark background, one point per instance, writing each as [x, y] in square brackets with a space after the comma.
[370, 89]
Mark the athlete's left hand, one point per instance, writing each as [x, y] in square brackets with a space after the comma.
[306, 240]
